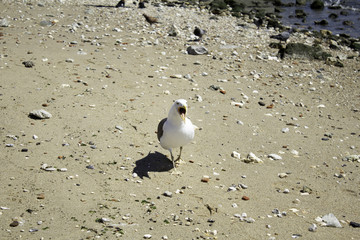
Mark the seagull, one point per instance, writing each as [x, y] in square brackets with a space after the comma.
[258, 22]
[199, 32]
[150, 19]
[176, 130]
[284, 36]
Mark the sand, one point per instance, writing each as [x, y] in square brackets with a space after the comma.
[108, 90]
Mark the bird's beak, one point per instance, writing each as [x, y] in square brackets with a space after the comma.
[182, 111]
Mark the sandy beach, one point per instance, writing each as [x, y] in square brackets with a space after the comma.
[95, 169]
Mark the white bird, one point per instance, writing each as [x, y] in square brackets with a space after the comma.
[176, 130]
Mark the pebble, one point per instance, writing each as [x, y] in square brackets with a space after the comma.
[40, 114]
[282, 175]
[235, 154]
[4, 22]
[252, 158]
[274, 156]
[245, 198]
[167, 194]
[147, 236]
[355, 224]
[331, 221]
[28, 64]
[196, 50]
[313, 228]
[205, 178]
[243, 186]
[285, 130]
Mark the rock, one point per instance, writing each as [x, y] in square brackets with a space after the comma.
[301, 2]
[40, 114]
[173, 31]
[354, 224]
[28, 64]
[334, 61]
[252, 158]
[355, 46]
[235, 154]
[205, 178]
[285, 130]
[331, 221]
[245, 198]
[196, 50]
[274, 156]
[348, 23]
[282, 175]
[14, 224]
[321, 22]
[147, 236]
[300, 50]
[352, 158]
[317, 5]
[167, 194]
[4, 22]
[299, 13]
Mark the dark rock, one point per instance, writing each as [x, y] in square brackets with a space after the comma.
[274, 23]
[301, 2]
[28, 64]
[300, 50]
[322, 22]
[299, 13]
[355, 46]
[277, 3]
[333, 16]
[348, 23]
[317, 5]
[344, 13]
[335, 62]
[196, 50]
[354, 224]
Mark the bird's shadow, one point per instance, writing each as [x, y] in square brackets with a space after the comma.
[153, 162]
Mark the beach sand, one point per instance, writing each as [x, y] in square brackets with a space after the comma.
[108, 78]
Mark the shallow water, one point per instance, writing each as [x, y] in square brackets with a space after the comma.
[349, 7]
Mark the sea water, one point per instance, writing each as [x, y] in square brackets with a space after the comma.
[346, 10]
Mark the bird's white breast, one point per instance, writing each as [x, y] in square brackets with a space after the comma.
[177, 135]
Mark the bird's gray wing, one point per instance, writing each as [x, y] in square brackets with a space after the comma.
[160, 130]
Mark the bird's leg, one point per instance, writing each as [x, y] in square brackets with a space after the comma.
[179, 157]
[175, 172]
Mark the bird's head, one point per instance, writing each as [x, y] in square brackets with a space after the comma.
[179, 108]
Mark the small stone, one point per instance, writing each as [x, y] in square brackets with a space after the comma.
[331, 220]
[4, 22]
[69, 60]
[167, 194]
[282, 175]
[28, 64]
[245, 198]
[243, 186]
[205, 178]
[313, 227]
[196, 50]
[40, 114]
[119, 128]
[285, 130]
[147, 236]
[235, 154]
[274, 156]
[355, 224]
[14, 224]
[231, 189]
[41, 196]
